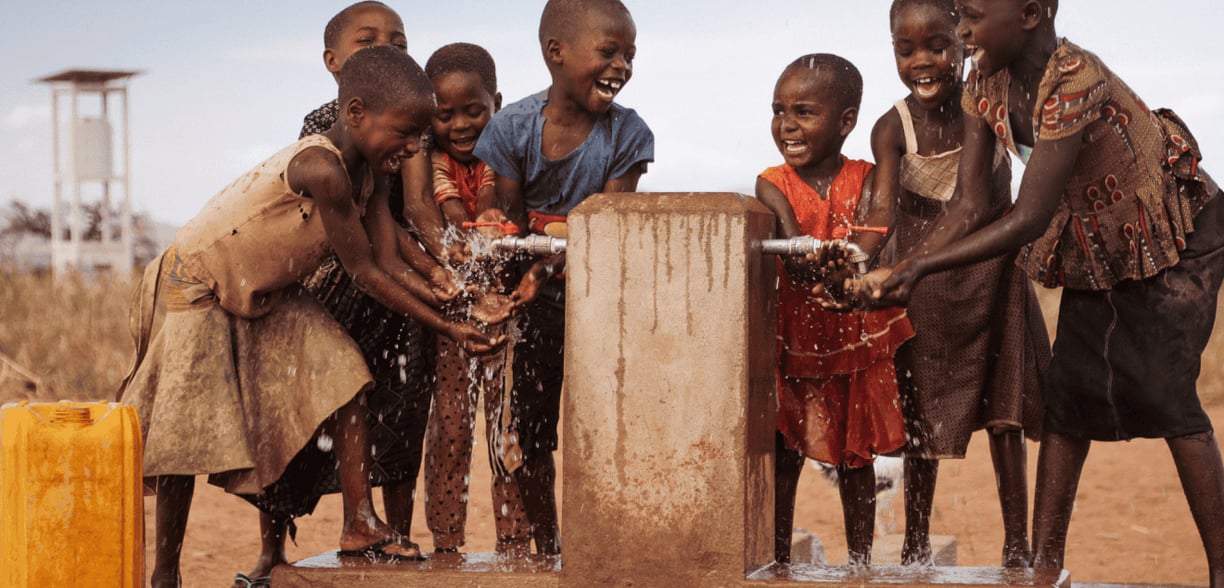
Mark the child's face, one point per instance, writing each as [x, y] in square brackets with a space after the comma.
[464, 108]
[597, 61]
[368, 26]
[385, 138]
[929, 54]
[809, 124]
[992, 31]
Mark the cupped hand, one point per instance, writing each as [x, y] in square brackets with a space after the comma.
[443, 285]
[475, 341]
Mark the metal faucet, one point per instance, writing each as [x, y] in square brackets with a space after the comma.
[531, 244]
[806, 244]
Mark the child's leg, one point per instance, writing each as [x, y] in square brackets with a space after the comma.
[920, 476]
[362, 527]
[509, 514]
[538, 372]
[1202, 476]
[1007, 451]
[788, 466]
[272, 532]
[1059, 463]
[448, 454]
[398, 497]
[537, 479]
[174, 495]
[857, 489]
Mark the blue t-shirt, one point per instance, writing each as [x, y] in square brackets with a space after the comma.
[511, 145]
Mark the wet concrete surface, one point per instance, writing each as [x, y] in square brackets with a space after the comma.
[329, 570]
[905, 577]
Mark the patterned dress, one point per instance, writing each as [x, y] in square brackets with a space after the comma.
[837, 393]
[1137, 241]
[980, 348]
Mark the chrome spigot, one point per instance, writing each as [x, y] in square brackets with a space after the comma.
[531, 244]
[806, 244]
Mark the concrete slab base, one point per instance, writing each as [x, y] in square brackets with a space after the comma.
[777, 575]
[440, 570]
[886, 550]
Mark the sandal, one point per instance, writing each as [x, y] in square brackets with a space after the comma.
[247, 582]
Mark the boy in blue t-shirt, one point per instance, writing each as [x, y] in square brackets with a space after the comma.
[550, 152]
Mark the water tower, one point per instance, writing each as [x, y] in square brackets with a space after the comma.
[85, 170]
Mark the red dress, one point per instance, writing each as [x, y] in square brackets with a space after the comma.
[837, 393]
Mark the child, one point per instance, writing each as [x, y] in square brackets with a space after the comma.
[550, 151]
[980, 347]
[398, 350]
[1114, 209]
[246, 366]
[837, 393]
[465, 84]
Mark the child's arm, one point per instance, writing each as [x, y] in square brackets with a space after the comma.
[1045, 176]
[787, 228]
[509, 193]
[393, 246]
[887, 147]
[419, 207]
[319, 174]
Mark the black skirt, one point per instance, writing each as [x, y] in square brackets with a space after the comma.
[1126, 361]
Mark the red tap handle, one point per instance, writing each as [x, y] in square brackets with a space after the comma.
[507, 228]
[843, 232]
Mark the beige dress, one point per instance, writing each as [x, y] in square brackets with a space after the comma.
[236, 366]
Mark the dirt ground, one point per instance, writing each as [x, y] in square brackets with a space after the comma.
[1131, 522]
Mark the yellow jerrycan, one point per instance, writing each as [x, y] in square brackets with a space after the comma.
[71, 499]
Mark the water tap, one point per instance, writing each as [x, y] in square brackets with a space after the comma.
[807, 244]
[531, 244]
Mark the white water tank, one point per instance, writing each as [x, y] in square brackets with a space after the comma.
[92, 155]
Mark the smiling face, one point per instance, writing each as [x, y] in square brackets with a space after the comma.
[928, 53]
[993, 32]
[464, 108]
[810, 123]
[593, 64]
[385, 138]
[368, 25]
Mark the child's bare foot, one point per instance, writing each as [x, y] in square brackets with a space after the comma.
[364, 539]
[1017, 555]
[492, 308]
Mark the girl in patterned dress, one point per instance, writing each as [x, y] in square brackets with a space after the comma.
[980, 347]
[1114, 209]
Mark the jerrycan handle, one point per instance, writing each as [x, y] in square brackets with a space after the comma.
[72, 415]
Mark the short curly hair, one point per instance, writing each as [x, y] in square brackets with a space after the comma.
[847, 82]
[465, 58]
[331, 32]
[383, 76]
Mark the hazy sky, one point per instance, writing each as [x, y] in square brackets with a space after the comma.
[226, 83]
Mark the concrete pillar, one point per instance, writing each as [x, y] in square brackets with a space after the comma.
[669, 390]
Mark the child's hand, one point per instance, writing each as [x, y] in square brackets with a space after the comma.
[491, 308]
[529, 287]
[443, 285]
[473, 341]
[458, 253]
[893, 286]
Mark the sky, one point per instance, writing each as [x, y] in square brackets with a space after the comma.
[224, 84]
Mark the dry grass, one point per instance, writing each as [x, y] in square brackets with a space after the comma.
[65, 339]
[72, 337]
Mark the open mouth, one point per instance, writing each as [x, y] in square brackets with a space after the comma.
[464, 143]
[927, 87]
[607, 89]
[792, 146]
[975, 54]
